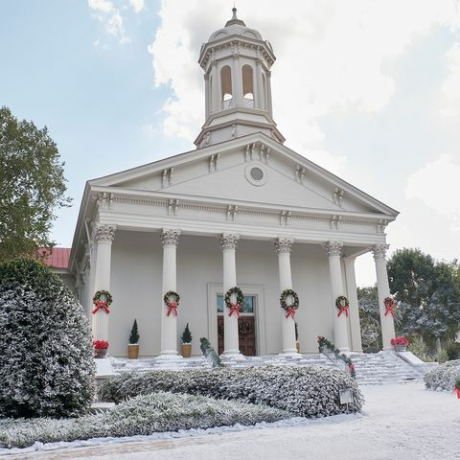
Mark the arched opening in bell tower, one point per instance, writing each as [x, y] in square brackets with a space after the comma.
[227, 90]
[248, 86]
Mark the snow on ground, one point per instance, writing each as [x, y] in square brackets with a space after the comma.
[400, 421]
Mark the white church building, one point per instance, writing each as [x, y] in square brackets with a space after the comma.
[240, 210]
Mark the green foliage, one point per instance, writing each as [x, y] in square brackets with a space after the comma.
[323, 343]
[441, 356]
[32, 184]
[187, 335]
[209, 353]
[419, 348]
[369, 314]
[134, 335]
[427, 293]
[453, 350]
[46, 352]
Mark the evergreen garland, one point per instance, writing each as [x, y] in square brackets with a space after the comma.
[187, 336]
[210, 354]
[134, 335]
[324, 343]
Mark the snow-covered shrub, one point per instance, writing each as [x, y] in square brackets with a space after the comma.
[310, 391]
[443, 377]
[209, 353]
[142, 415]
[46, 352]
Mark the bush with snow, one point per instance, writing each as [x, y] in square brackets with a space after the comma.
[310, 391]
[443, 377]
[46, 353]
[143, 415]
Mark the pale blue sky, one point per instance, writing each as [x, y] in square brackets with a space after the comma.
[370, 90]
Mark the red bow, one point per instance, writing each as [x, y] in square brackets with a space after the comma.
[457, 389]
[235, 308]
[101, 305]
[290, 312]
[343, 309]
[172, 307]
[390, 308]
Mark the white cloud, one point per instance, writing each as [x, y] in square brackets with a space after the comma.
[137, 5]
[332, 56]
[451, 86]
[106, 12]
[437, 185]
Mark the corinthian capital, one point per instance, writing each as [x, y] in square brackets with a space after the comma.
[333, 248]
[228, 241]
[170, 237]
[380, 250]
[283, 245]
[104, 233]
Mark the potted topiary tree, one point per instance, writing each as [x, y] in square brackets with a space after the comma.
[187, 342]
[133, 346]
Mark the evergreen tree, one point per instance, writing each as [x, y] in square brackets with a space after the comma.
[187, 335]
[46, 352]
[134, 335]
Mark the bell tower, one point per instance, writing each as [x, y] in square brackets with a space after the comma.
[236, 62]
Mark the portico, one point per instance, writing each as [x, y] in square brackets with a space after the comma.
[241, 210]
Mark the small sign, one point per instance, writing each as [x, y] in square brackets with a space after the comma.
[346, 396]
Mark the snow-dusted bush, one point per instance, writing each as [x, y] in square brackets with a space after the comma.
[443, 377]
[46, 352]
[142, 415]
[310, 391]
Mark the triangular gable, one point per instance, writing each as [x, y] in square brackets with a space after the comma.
[221, 171]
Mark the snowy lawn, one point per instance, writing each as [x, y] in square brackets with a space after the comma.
[143, 415]
[400, 421]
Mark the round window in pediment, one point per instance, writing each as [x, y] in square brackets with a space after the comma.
[256, 174]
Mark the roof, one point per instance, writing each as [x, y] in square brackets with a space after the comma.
[56, 258]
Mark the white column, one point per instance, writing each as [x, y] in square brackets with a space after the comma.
[334, 251]
[387, 322]
[103, 236]
[283, 248]
[231, 338]
[352, 292]
[169, 240]
[237, 81]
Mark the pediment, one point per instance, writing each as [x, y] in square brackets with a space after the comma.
[240, 171]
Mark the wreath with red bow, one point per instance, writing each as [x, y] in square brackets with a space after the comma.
[234, 307]
[171, 304]
[342, 305]
[290, 309]
[102, 304]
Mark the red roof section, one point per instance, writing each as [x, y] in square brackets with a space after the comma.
[57, 257]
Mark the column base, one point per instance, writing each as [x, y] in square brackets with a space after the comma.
[390, 348]
[232, 356]
[344, 350]
[291, 354]
[165, 356]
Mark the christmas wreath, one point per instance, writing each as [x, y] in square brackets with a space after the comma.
[102, 304]
[234, 307]
[390, 306]
[290, 309]
[171, 304]
[342, 305]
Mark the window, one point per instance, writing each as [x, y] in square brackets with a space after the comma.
[248, 86]
[227, 92]
[249, 304]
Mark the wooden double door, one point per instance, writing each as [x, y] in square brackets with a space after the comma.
[246, 332]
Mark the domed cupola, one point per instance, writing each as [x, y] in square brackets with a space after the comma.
[237, 61]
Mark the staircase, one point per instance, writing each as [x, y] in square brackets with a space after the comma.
[371, 369]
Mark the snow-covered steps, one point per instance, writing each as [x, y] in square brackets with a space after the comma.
[371, 369]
